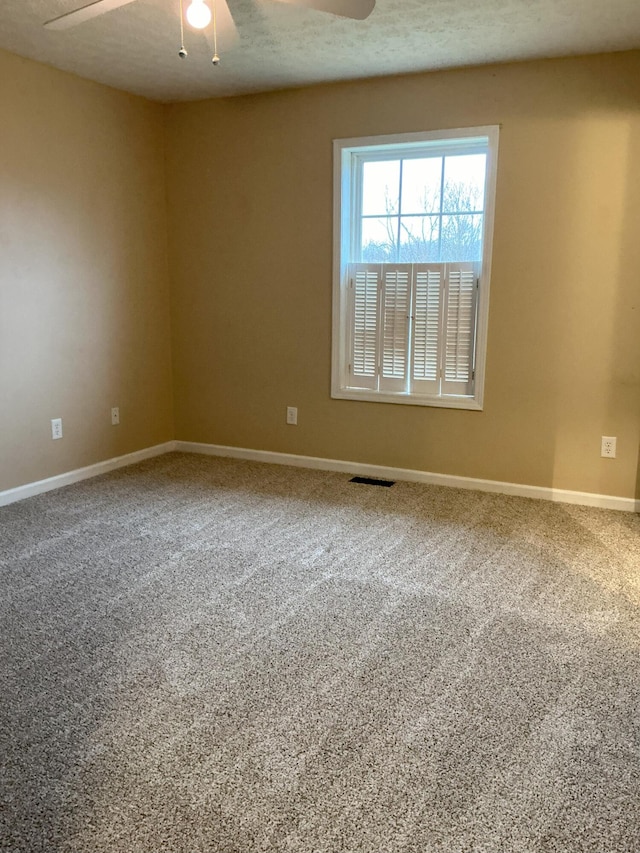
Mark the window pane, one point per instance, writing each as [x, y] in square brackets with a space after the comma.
[421, 183]
[461, 238]
[380, 187]
[379, 239]
[419, 239]
[464, 183]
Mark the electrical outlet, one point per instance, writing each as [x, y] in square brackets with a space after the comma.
[56, 428]
[608, 446]
[292, 415]
[115, 416]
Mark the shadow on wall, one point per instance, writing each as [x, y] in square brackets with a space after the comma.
[624, 383]
[570, 316]
[628, 307]
[597, 307]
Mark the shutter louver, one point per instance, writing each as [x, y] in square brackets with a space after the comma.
[395, 327]
[364, 279]
[425, 370]
[459, 328]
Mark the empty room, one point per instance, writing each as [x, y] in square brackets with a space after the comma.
[319, 426]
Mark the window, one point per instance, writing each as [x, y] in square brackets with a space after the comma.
[413, 229]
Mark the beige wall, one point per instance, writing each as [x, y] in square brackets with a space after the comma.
[84, 308]
[250, 223]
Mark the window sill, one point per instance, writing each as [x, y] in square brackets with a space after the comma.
[449, 402]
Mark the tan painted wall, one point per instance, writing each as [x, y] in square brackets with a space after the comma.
[84, 319]
[250, 202]
[84, 307]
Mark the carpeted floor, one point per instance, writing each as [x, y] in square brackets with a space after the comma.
[204, 655]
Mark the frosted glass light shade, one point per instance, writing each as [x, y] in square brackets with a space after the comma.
[198, 14]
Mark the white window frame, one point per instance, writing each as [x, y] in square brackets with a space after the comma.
[348, 157]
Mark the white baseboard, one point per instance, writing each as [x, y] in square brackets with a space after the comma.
[318, 463]
[30, 489]
[387, 473]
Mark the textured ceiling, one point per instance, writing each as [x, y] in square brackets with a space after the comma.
[135, 47]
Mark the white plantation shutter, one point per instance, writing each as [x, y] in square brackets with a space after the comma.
[460, 299]
[396, 296]
[364, 280]
[412, 328]
[425, 357]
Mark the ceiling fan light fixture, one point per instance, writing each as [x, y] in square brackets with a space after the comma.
[198, 14]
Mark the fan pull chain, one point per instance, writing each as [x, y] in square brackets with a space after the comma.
[183, 51]
[216, 58]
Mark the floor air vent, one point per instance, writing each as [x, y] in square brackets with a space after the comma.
[371, 481]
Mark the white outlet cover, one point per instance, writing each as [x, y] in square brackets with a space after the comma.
[608, 446]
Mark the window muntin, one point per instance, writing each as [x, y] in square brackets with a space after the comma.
[414, 218]
[421, 209]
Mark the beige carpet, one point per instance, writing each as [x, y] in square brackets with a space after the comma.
[204, 655]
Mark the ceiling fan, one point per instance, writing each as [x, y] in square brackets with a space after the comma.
[200, 13]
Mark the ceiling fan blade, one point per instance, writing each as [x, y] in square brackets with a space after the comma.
[356, 9]
[85, 13]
